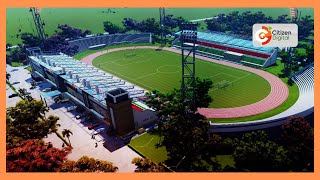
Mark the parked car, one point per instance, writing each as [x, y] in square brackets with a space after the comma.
[71, 108]
[46, 90]
[13, 95]
[99, 131]
[81, 115]
[90, 127]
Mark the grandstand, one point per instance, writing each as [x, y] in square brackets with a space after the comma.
[96, 42]
[304, 106]
[86, 85]
[220, 46]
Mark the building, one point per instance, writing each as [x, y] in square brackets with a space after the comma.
[88, 86]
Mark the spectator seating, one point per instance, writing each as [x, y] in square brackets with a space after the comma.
[95, 42]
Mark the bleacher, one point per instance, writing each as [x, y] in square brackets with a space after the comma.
[305, 102]
[96, 42]
[215, 44]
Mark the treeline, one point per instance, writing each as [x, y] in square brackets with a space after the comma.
[241, 24]
[55, 43]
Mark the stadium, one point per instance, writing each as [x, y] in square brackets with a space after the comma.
[140, 68]
[163, 89]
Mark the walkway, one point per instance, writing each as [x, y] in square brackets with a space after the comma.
[110, 148]
[278, 94]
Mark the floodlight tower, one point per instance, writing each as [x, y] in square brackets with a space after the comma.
[38, 23]
[188, 40]
[295, 14]
[162, 25]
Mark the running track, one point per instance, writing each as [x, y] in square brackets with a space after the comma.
[278, 94]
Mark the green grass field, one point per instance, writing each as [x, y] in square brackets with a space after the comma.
[92, 18]
[146, 145]
[161, 70]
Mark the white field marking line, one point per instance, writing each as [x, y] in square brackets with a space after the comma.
[231, 81]
[145, 75]
[146, 143]
[144, 61]
[169, 72]
[139, 56]
[212, 76]
[158, 72]
[130, 80]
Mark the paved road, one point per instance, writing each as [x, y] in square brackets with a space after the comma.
[110, 148]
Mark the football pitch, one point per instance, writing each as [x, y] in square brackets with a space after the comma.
[161, 70]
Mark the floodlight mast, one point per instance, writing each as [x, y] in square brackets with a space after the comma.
[38, 23]
[162, 25]
[188, 38]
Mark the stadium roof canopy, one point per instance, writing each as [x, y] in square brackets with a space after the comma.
[86, 77]
[230, 40]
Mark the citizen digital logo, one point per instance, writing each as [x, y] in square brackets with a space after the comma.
[281, 35]
[275, 35]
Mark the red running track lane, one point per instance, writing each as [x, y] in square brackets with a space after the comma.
[278, 94]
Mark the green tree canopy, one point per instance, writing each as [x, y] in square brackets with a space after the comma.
[146, 165]
[29, 121]
[255, 152]
[298, 139]
[112, 28]
[86, 164]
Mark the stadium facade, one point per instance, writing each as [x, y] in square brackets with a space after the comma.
[88, 87]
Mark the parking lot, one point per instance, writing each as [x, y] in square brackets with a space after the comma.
[102, 146]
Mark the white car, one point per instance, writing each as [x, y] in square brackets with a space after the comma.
[46, 90]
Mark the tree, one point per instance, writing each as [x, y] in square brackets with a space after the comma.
[66, 133]
[185, 136]
[171, 103]
[65, 31]
[186, 143]
[146, 165]
[306, 25]
[255, 152]
[111, 28]
[30, 40]
[130, 24]
[35, 155]
[298, 139]
[57, 43]
[16, 55]
[310, 54]
[149, 25]
[86, 164]
[29, 121]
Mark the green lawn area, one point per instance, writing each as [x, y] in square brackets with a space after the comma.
[16, 64]
[161, 70]
[146, 145]
[93, 18]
